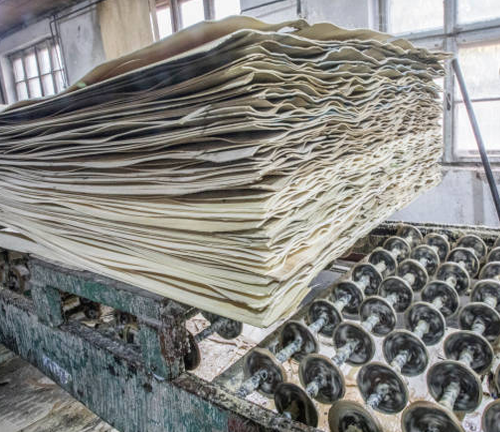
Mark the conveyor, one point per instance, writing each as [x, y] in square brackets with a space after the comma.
[385, 314]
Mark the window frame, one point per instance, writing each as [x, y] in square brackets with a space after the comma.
[23, 53]
[448, 38]
[176, 14]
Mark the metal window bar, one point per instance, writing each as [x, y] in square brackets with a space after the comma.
[477, 134]
[2, 93]
[60, 67]
[209, 9]
[51, 63]
[42, 91]
[25, 74]
[175, 16]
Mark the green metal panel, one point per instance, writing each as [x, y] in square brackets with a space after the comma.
[162, 331]
[103, 290]
[161, 359]
[111, 379]
[48, 304]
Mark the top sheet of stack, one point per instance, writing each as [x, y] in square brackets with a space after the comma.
[225, 166]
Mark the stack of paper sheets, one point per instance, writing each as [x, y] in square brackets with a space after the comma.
[228, 175]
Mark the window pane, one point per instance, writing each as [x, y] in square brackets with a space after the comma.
[22, 91]
[477, 10]
[17, 66]
[480, 66]
[56, 57]
[415, 15]
[224, 8]
[164, 22]
[59, 81]
[44, 60]
[31, 64]
[488, 117]
[48, 85]
[35, 88]
[192, 12]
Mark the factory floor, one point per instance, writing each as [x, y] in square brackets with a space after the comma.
[31, 402]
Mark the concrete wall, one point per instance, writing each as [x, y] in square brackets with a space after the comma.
[82, 44]
[89, 35]
[462, 197]
[345, 13]
[283, 10]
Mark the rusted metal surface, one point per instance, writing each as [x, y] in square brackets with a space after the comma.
[14, 272]
[112, 379]
[232, 377]
[162, 331]
[103, 290]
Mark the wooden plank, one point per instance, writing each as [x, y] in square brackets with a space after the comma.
[31, 402]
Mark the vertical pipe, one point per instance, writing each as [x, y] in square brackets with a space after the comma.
[175, 16]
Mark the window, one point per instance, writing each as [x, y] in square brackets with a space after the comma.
[424, 15]
[480, 65]
[478, 10]
[169, 16]
[164, 21]
[470, 29]
[192, 12]
[38, 71]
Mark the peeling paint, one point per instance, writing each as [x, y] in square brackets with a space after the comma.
[55, 370]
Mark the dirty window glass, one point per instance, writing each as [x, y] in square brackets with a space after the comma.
[415, 15]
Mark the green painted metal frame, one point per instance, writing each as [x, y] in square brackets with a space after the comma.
[134, 390]
[161, 321]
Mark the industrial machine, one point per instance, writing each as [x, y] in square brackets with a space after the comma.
[401, 332]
